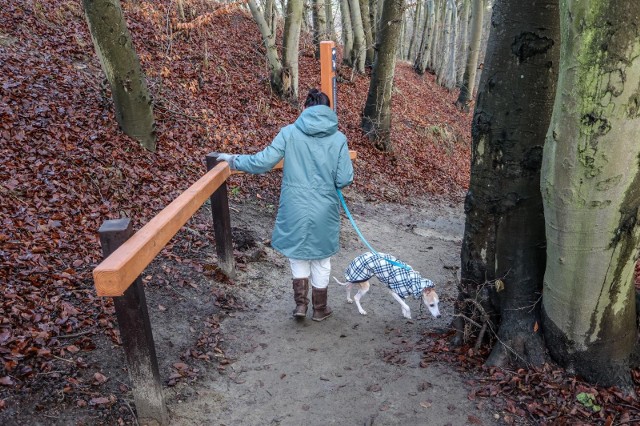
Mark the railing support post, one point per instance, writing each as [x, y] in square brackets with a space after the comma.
[135, 330]
[222, 223]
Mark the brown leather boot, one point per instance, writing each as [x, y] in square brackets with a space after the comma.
[300, 292]
[320, 308]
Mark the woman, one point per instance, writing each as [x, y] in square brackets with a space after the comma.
[307, 229]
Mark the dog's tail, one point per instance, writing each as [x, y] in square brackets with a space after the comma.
[341, 283]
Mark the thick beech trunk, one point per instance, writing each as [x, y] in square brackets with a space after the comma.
[591, 188]
[376, 118]
[120, 63]
[503, 250]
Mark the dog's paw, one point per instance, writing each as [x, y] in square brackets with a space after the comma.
[349, 300]
[362, 312]
[406, 313]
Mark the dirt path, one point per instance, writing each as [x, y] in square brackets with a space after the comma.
[349, 369]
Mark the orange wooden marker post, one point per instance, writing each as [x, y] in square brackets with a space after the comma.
[328, 71]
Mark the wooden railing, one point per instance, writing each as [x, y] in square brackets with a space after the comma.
[128, 254]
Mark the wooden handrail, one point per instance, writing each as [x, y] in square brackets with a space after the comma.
[116, 273]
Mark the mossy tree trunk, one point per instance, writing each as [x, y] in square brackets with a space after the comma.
[376, 118]
[503, 249]
[120, 63]
[591, 188]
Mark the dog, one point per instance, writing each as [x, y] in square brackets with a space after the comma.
[400, 279]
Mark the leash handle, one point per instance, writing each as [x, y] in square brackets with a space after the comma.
[364, 240]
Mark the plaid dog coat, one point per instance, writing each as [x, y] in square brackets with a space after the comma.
[404, 282]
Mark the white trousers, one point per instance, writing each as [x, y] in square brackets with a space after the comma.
[318, 271]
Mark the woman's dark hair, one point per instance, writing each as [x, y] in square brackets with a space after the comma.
[316, 97]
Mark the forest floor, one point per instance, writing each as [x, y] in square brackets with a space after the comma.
[229, 351]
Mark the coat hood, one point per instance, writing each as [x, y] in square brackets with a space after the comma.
[317, 121]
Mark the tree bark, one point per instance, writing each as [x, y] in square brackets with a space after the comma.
[319, 24]
[503, 249]
[591, 188]
[463, 40]
[269, 40]
[424, 53]
[120, 63]
[373, 16]
[415, 30]
[376, 118]
[290, 48]
[469, 79]
[366, 26]
[347, 33]
[331, 27]
[443, 65]
[359, 47]
[436, 52]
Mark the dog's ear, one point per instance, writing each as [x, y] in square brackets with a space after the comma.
[427, 290]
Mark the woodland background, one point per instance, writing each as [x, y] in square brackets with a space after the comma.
[65, 168]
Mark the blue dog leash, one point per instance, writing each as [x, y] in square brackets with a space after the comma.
[353, 223]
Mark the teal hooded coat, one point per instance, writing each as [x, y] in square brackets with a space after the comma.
[316, 162]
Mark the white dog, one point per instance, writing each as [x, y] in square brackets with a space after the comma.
[400, 278]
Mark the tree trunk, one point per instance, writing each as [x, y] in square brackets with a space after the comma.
[331, 26]
[366, 26]
[469, 79]
[436, 52]
[120, 63]
[373, 17]
[591, 188]
[422, 60]
[319, 24]
[450, 73]
[414, 31]
[503, 249]
[463, 41]
[359, 48]
[269, 40]
[290, 48]
[347, 33]
[270, 14]
[376, 118]
[443, 65]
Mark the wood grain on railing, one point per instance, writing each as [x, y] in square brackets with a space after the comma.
[116, 273]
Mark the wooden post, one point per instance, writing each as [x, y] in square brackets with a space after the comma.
[328, 72]
[222, 223]
[135, 330]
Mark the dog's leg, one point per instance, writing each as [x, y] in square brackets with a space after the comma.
[349, 285]
[364, 288]
[406, 311]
